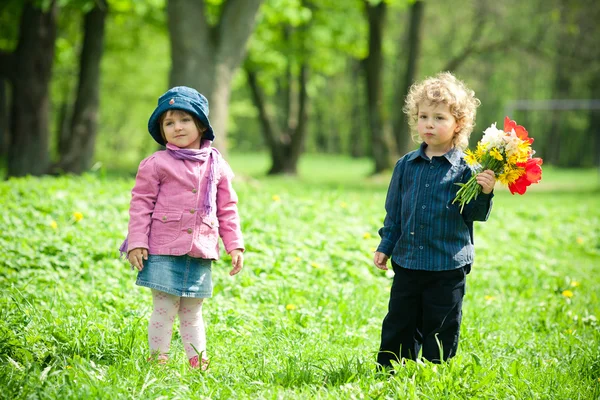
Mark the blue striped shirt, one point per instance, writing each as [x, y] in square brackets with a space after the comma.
[422, 229]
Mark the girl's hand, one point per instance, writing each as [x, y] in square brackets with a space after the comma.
[380, 260]
[487, 180]
[237, 261]
[137, 256]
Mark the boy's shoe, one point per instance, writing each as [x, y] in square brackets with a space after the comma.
[201, 363]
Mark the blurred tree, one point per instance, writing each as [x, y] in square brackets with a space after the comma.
[402, 134]
[29, 69]
[208, 42]
[376, 15]
[292, 53]
[77, 143]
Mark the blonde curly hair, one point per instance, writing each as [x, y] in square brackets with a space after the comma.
[444, 88]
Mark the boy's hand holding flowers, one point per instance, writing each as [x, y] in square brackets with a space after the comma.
[487, 180]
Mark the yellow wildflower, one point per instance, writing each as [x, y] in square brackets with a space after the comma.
[315, 265]
[574, 284]
[567, 293]
[276, 198]
[580, 240]
[290, 307]
[366, 235]
[470, 157]
[496, 154]
[510, 175]
[480, 150]
[343, 204]
[53, 225]
[489, 298]
[78, 216]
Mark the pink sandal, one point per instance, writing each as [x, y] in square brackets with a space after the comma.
[159, 358]
[201, 363]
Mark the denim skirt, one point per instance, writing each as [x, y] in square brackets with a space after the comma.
[182, 276]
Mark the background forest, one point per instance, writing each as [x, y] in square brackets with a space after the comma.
[79, 78]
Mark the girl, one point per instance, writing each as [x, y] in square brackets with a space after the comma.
[181, 203]
[429, 240]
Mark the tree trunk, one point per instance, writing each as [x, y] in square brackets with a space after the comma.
[34, 57]
[206, 57]
[285, 144]
[357, 142]
[4, 122]
[77, 152]
[373, 68]
[402, 135]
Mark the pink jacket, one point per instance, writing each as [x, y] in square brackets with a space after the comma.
[166, 212]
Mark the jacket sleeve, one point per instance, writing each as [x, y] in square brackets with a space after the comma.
[392, 228]
[227, 212]
[143, 199]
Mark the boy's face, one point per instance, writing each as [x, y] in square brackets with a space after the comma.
[180, 130]
[436, 126]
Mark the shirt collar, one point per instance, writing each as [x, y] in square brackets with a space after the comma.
[453, 156]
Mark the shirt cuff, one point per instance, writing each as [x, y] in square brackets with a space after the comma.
[386, 247]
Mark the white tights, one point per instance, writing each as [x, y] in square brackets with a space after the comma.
[191, 329]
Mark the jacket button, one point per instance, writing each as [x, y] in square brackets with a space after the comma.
[189, 230]
[194, 190]
[164, 218]
[212, 223]
[192, 211]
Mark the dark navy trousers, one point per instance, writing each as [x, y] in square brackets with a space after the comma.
[424, 312]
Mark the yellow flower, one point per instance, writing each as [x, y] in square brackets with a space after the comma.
[366, 235]
[470, 157]
[480, 150]
[297, 259]
[567, 293]
[574, 284]
[523, 152]
[343, 204]
[510, 175]
[489, 298]
[315, 265]
[276, 198]
[580, 240]
[496, 154]
[53, 225]
[290, 307]
[78, 216]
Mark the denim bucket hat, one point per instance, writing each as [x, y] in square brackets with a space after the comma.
[185, 99]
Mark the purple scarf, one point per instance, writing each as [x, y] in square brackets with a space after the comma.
[205, 153]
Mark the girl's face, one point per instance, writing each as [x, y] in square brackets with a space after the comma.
[181, 130]
[436, 126]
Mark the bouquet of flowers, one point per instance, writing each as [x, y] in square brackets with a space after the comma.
[509, 154]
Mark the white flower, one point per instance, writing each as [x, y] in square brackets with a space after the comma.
[493, 137]
[512, 143]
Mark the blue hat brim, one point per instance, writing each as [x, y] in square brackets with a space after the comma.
[179, 103]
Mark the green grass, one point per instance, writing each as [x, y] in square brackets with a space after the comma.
[303, 318]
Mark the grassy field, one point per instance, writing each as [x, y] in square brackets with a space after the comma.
[303, 318]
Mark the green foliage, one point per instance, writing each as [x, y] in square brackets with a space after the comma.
[303, 318]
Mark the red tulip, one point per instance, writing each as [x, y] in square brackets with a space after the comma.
[521, 132]
[533, 174]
